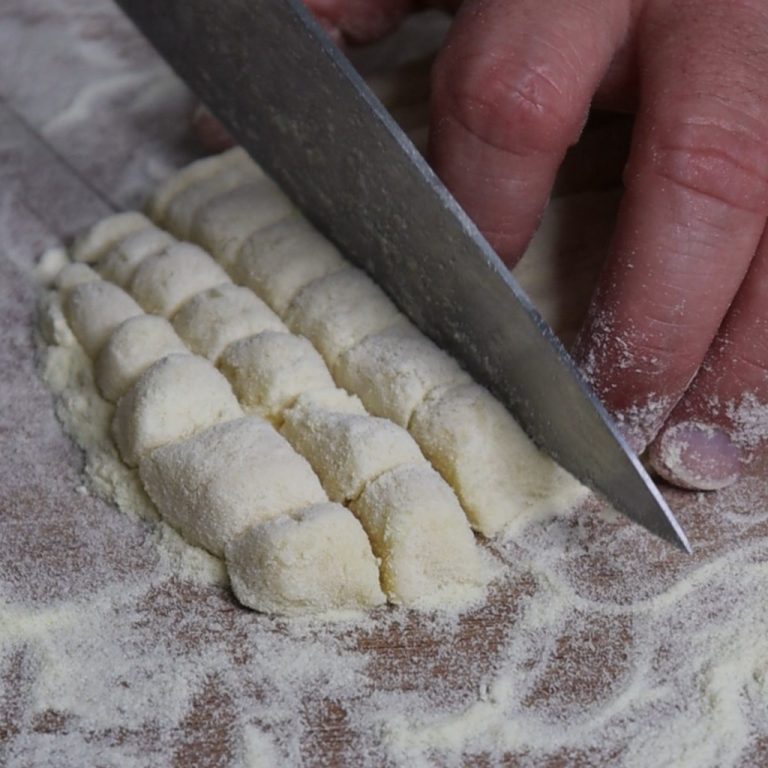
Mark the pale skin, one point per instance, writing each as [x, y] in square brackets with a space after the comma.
[677, 332]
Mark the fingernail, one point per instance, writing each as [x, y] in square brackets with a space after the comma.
[695, 455]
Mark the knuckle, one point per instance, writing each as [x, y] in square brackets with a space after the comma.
[518, 107]
[723, 157]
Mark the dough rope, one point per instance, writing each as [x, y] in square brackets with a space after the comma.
[204, 438]
[216, 475]
[375, 353]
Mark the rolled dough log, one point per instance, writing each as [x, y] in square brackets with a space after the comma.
[278, 261]
[346, 450]
[164, 282]
[338, 311]
[175, 398]
[496, 471]
[185, 207]
[94, 309]
[192, 174]
[73, 275]
[96, 241]
[313, 561]
[392, 372]
[213, 485]
[119, 264]
[134, 345]
[269, 371]
[213, 319]
[428, 553]
[225, 223]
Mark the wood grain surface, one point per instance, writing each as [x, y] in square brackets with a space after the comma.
[100, 104]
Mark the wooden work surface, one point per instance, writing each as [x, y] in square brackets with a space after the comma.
[597, 646]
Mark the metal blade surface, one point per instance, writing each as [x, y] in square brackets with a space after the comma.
[287, 95]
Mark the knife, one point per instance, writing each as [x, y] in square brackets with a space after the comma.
[291, 99]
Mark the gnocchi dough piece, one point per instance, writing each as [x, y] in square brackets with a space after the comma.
[346, 450]
[192, 174]
[213, 485]
[213, 319]
[187, 205]
[338, 311]
[175, 398]
[225, 223]
[499, 475]
[392, 372]
[278, 261]
[93, 310]
[133, 346]
[269, 371]
[73, 275]
[119, 265]
[96, 241]
[164, 282]
[315, 560]
[419, 531]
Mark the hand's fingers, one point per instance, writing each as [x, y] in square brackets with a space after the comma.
[725, 410]
[359, 21]
[211, 134]
[511, 90]
[694, 208]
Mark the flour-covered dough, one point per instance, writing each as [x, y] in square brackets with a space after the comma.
[346, 450]
[120, 263]
[392, 372]
[184, 208]
[96, 241]
[74, 274]
[225, 223]
[338, 311]
[269, 371]
[194, 173]
[175, 398]
[164, 282]
[94, 309]
[213, 319]
[495, 469]
[278, 261]
[419, 531]
[313, 561]
[134, 345]
[213, 485]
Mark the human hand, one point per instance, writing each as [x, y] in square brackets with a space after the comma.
[676, 340]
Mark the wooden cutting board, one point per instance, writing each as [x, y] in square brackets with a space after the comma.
[598, 645]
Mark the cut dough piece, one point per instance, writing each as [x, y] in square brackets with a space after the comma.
[187, 205]
[392, 372]
[175, 398]
[192, 174]
[213, 485]
[96, 241]
[313, 561]
[269, 371]
[227, 221]
[278, 261]
[73, 275]
[132, 348]
[499, 475]
[93, 310]
[164, 282]
[428, 553]
[213, 319]
[119, 265]
[347, 450]
[338, 311]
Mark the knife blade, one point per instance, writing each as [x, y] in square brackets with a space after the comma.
[287, 94]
